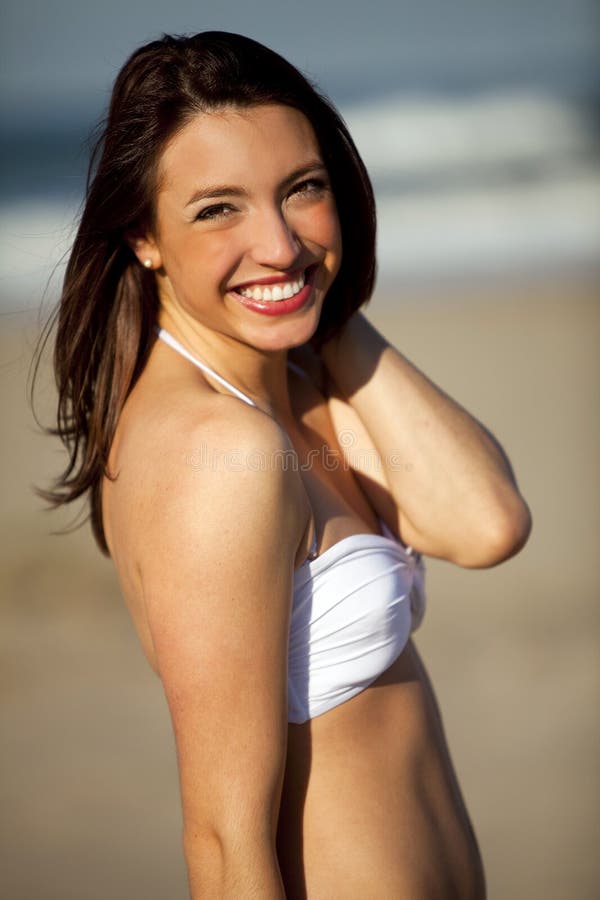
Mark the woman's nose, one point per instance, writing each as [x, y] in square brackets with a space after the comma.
[274, 241]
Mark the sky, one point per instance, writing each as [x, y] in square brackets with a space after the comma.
[59, 57]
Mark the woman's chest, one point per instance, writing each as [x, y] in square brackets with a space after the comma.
[338, 503]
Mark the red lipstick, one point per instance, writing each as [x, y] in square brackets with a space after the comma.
[277, 307]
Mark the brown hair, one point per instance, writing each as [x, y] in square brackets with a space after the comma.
[108, 307]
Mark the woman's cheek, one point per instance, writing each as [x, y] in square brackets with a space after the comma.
[326, 226]
[209, 254]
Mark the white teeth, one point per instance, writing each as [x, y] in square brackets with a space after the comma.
[275, 292]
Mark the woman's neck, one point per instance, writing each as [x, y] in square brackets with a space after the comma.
[261, 374]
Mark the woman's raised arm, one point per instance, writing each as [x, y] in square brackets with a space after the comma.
[451, 482]
[217, 571]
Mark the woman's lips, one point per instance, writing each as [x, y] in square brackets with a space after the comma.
[278, 307]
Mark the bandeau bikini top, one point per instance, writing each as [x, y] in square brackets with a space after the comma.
[354, 606]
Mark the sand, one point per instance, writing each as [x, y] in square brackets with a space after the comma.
[90, 803]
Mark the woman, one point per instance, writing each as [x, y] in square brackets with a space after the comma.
[265, 471]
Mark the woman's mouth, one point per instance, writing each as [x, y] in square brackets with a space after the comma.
[277, 297]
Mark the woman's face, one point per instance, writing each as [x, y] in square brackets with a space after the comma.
[247, 238]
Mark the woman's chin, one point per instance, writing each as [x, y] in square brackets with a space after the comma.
[285, 335]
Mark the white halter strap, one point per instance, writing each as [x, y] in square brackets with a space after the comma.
[174, 343]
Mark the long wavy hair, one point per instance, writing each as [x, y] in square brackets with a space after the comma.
[108, 307]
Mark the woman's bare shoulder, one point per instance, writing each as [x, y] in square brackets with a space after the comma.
[221, 441]
[187, 452]
[206, 477]
[187, 420]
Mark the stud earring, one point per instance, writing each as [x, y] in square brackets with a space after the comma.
[148, 263]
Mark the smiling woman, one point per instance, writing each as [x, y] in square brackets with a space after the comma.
[274, 578]
[211, 245]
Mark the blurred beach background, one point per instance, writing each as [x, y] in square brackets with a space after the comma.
[479, 125]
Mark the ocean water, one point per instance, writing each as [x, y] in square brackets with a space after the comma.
[467, 185]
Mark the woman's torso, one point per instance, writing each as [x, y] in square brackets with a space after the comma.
[370, 804]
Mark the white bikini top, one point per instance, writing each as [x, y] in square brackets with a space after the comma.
[354, 606]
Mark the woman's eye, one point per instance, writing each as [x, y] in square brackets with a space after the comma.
[310, 187]
[218, 211]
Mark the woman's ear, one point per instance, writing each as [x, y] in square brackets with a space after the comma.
[145, 248]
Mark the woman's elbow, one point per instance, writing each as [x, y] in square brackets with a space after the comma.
[502, 534]
[221, 864]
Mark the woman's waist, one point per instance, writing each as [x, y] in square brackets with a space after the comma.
[376, 770]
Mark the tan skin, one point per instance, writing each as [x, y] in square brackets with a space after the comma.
[361, 801]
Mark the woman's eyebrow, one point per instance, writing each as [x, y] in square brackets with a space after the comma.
[218, 191]
[210, 193]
